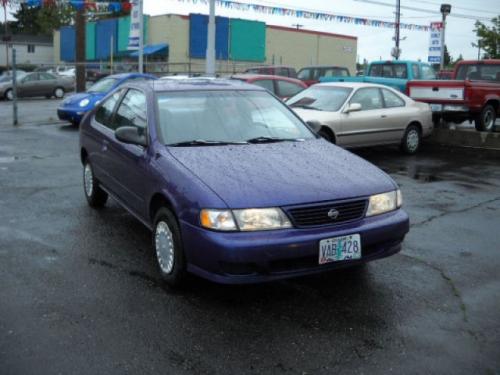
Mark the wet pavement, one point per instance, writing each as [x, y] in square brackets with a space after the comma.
[80, 294]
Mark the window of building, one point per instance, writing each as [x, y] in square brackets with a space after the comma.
[31, 48]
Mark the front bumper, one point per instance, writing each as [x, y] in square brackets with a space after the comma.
[72, 115]
[246, 257]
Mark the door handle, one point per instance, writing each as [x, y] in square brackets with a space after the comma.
[383, 116]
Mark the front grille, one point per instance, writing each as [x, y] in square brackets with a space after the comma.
[316, 215]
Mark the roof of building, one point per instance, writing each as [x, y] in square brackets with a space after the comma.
[28, 39]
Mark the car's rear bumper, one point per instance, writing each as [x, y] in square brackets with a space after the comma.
[239, 258]
[72, 115]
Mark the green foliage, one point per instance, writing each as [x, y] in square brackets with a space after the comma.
[41, 20]
[488, 38]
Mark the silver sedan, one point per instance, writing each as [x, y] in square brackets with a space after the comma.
[37, 84]
[361, 114]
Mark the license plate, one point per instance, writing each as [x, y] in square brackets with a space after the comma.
[436, 107]
[339, 248]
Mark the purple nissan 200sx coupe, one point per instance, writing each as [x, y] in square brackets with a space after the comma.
[234, 186]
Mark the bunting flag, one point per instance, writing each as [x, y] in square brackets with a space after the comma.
[90, 5]
[320, 16]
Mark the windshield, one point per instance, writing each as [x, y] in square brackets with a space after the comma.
[103, 85]
[322, 98]
[237, 117]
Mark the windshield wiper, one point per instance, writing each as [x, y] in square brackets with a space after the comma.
[203, 142]
[273, 140]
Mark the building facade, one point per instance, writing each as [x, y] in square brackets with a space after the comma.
[239, 44]
[30, 50]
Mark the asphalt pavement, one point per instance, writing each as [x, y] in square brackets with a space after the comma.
[80, 293]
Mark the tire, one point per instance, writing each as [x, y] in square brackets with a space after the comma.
[411, 140]
[59, 93]
[9, 95]
[326, 135]
[96, 197]
[485, 121]
[168, 247]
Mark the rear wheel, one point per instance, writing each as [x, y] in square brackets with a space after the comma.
[168, 247]
[411, 140]
[9, 94]
[485, 121]
[59, 92]
[96, 197]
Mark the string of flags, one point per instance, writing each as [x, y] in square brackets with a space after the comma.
[321, 16]
[95, 6]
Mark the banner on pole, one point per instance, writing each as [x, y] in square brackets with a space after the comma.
[135, 26]
[435, 43]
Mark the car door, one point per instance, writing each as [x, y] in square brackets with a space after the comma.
[28, 85]
[286, 89]
[130, 162]
[363, 128]
[397, 116]
[102, 131]
[47, 84]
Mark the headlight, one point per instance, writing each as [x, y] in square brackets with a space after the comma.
[252, 219]
[384, 202]
[84, 103]
[261, 219]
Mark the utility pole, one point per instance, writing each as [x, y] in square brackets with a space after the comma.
[397, 52]
[14, 88]
[6, 38]
[479, 50]
[80, 50]
[210, 57]
[445, 10]
[298, 26]
[141, 36]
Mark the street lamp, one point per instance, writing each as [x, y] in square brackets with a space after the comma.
[445, 10]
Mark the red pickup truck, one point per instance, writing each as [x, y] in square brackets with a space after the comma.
[472, 94]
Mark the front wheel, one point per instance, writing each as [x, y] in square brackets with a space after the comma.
[411, 140]
[9, 94]
[168, 247]
[485, 121]
[96, 197]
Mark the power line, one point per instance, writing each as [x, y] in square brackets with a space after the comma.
[456, 15]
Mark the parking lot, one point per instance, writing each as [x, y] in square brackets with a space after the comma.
[80, 292]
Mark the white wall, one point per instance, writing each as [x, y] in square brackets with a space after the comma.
[44, 54]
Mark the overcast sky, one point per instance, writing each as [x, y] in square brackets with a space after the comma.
[373, 42]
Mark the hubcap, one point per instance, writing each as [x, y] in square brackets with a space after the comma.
[88, 180]
[10, 95]
[412, 140]
[164, 244]
[59, 93]
[488, 119]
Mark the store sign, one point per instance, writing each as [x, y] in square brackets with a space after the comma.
[435, 43]
[135, 26]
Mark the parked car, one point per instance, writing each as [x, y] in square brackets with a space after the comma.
[58, 69]
[71, 73]
[37, 84]
[282, 87]
[311, 74]
[76, 106]
[95, 73]
[395, 74]
[233, 185]
[273, 70]
[352, 114]
[473, 94]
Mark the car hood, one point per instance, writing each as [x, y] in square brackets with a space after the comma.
[280, 174]
[77, 98]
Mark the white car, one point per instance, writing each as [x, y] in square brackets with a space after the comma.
[362, 114]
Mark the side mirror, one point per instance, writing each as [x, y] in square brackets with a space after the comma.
[353, 107]
[131, 135]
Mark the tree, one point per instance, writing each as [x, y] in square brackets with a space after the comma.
[488, 38]
[42, 20]
[447, 57]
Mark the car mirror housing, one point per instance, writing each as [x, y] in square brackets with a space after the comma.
[353, 107]
[131, 135]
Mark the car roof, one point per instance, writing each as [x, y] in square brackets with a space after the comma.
[352, 85]
[269, 66]
[198, 84]
[129, 75]
[251, 76]
[323, 66]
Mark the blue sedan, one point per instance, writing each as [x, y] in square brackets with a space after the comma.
[76, 106]
[233, 185]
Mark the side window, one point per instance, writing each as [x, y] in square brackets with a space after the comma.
[400, 71]
[416, 72]
[31, 77]
[428, 72]
[375, 71]
[316, 73]
[392, 100]
[265, 83]
[46, 76]
[104, 113]
[369, 98]
[288, 89]
[132, 110]
[304, 74]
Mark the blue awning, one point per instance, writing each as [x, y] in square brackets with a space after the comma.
[153, 49]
